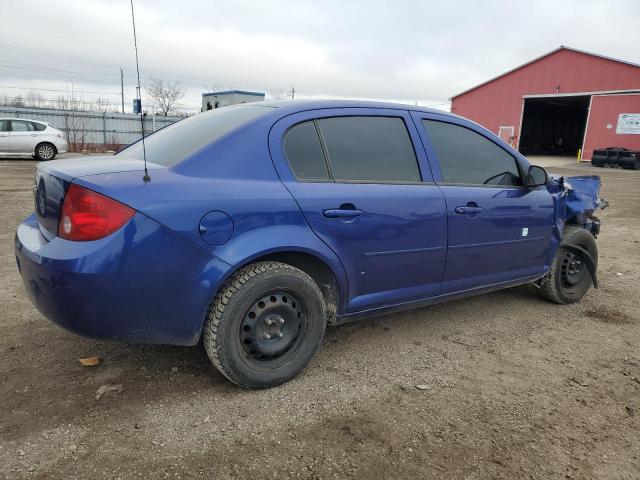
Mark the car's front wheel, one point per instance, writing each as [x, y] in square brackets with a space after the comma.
[569, 278]
[45, 151]
[265, 325]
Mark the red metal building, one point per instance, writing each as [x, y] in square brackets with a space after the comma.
[560, 102]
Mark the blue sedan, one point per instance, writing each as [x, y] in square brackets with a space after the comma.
[260, 224]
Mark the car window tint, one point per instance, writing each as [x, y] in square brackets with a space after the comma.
[18, 126]
[176, 142]
[303, 150]
[466, 157]
[374, 149]
[4, 126]
[38, 127]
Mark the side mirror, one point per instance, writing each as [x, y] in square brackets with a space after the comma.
[537, 176]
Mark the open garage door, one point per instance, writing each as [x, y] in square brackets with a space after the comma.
[553, 125]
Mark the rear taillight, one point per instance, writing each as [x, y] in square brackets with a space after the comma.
[88, 215]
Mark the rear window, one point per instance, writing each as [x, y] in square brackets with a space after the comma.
[369, 149]
[174, 143]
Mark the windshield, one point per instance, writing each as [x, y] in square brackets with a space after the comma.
[176, 142]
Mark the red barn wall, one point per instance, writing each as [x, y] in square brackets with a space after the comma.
[604, 111]
[499, 102]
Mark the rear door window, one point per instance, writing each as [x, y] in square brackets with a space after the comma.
[369, 149]
[304, 152]
[20, 126]
[4, 126]
[468, 158]
[38, 127]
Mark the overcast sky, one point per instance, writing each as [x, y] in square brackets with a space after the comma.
[410, 51]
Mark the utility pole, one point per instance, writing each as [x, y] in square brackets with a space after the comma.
[293, 92]
[122, 88]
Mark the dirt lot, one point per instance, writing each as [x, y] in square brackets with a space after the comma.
[514, 387]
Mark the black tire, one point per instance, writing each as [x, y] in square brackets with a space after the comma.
[561, 286]
[265, 325]
[45, 151]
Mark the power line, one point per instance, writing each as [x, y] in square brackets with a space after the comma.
[94, 105]
[57, 100]
[184, 78]
[48, 53]
[56, 90]
[78, 91]
[102, 64]
[197, 80]
[59, 72]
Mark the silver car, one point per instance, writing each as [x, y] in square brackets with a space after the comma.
[21, 137]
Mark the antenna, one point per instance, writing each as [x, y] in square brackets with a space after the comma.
[146, 177]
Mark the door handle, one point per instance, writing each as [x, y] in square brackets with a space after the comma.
[342, 213]
[34, 134]
[468, 210]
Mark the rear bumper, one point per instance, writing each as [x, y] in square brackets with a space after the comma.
[61, 146]
[143, 284]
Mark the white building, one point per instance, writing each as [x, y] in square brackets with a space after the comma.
[229, 97]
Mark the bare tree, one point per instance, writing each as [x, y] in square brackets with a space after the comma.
[76, 131]
[164, 95]
[34, 99]
[59, 102]
[101, 104]
[18, 101]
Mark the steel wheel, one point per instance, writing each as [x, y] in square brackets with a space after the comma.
[272, 326]
[572, 270]
[569, 277]
[265, 324]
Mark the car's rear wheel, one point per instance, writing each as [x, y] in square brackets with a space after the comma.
[569, 278]
[265, 325]
[45, 151]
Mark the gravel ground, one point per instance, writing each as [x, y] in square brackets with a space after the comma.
[511, 386]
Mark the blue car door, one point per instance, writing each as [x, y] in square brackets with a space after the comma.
[499, 231]
[368, 193]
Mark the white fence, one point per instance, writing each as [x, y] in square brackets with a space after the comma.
[92, 128]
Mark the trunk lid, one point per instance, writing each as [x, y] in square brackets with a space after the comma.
[48, 195]
[52, 179]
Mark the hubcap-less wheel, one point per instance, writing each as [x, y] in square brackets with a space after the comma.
[569, 277]
[572, 270]
[46, 152]
[271, 326]
[265, 324]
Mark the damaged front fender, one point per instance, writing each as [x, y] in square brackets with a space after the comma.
[579, 197]
[575, 201]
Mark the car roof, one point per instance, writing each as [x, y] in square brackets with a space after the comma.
[24, 120]
[293, 106]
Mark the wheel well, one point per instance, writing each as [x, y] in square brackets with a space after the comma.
[316, 269]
